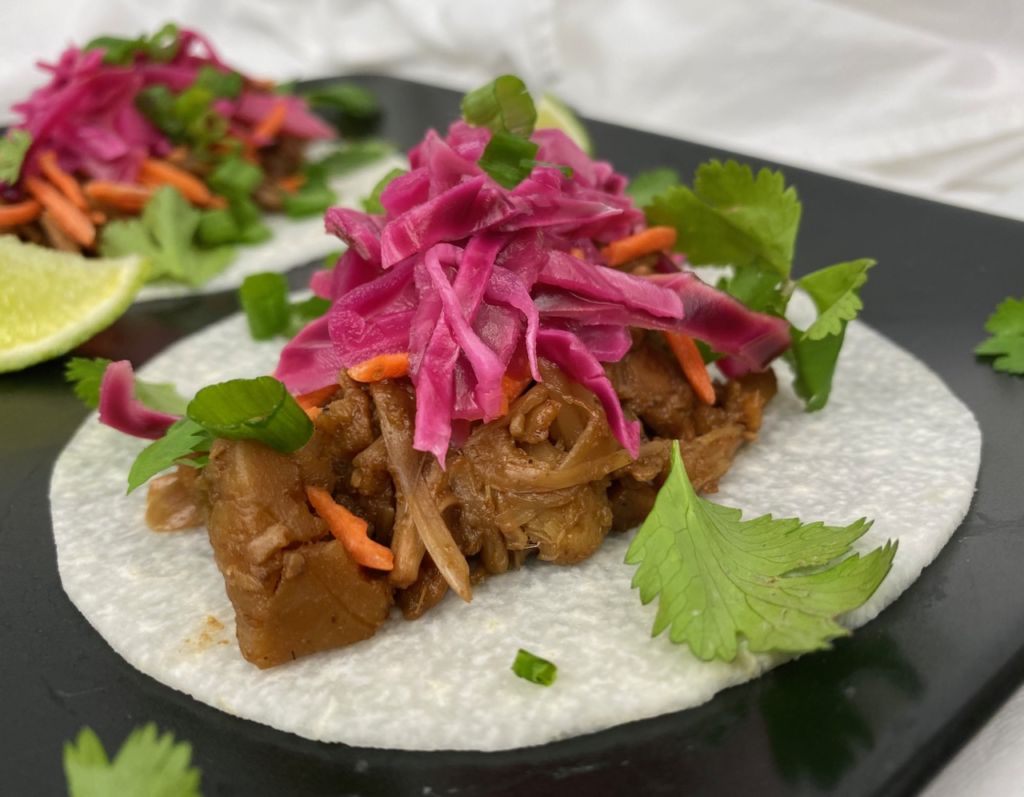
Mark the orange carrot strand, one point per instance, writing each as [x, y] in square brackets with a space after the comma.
[270, 125]
[351, 531]
[316, 398]
[694, 369]
[512, 387]
[69, 218]
[645, 242]
[383, 366]
[126, 197]
[65, 183]
[160, 172]
[19, 213]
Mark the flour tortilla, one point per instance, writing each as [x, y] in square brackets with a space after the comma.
[893, 444]
[293, 242]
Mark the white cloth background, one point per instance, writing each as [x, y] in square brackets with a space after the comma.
[923, 96]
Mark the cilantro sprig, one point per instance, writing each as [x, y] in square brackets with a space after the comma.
[85, 375]
[771, 584]
[732, 216]
[148, 763]
[1006, 342]
[166, 235]
[161, 46]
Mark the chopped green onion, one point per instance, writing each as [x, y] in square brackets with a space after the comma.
[247, 214]
[504, 105]
[252, 409]
[371, 204]
[217, 227]
[13, 147]
[264, 298]
[220, 84]
[534, 669]
[307, 310]
[508, 159]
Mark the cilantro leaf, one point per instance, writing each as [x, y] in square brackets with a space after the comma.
[182, 439]
[834, 291]
[760, 290]
[1006, 326]
[772, 583]
[13, 147]
[165, 235]
[732, 217]
[147, 763]
[161, 46]
[86, 375]
[371, 203]
[647, 185]
[814, 365]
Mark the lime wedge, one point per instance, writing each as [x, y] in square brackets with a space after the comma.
[51, 301]
[552, 112]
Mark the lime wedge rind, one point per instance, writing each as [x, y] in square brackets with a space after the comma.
[52, 301]
[552, 112]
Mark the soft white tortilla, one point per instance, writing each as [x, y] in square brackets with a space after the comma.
[293, 242]
[894, 445]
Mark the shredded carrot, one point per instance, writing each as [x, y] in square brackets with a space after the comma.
[350, 530]
[160, 172]
[692, 363]
[126, 197]
[315, 398]
[67, 184]
[511, 388]
[19, 213]
[69, 218]
[576, 252]
[97, 217]
[270, 125]
[312, 412]
[177, 156]
[645, 242]
[383, 366]
[292, 183]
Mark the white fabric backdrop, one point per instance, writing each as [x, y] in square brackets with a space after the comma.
[924, 96]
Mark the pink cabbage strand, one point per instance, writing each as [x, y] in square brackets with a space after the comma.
[120, 409]
[474, 281]
[87, 113]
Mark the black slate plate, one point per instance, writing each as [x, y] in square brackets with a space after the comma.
[877, 715]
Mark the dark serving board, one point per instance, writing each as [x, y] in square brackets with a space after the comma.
[879, 714]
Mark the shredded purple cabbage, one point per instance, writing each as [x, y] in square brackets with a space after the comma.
[87, 115]
[120, 409]
[475, 281]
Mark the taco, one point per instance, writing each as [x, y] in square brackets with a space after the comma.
[502, 375]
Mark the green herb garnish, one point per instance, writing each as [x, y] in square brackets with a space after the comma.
[252, 409]
[355, 109]
[13, 147]
[1006, 344]
[147, 764]
[86, 374]
[352, 156]
[161, 46]
[165, 234]
[508, 158]
[178, 445]
[647, 185]
[734, 217]
[534, 669]
[371, 204]
[264, 298]
[774, 584]
[504, 106]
